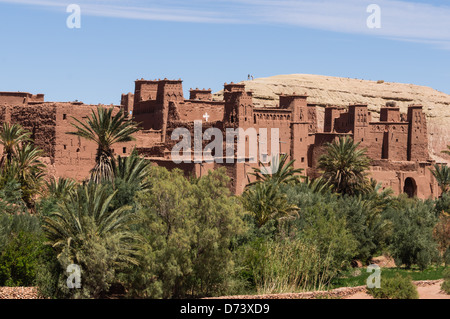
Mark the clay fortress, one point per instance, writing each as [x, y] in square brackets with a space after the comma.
[397, 143]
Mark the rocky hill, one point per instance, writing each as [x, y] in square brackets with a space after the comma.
[327, 90]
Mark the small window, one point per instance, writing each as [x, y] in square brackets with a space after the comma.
[124, 150]
[65, 146]
[303, 159]
[64, 116]
[301, 139]
[396, 140]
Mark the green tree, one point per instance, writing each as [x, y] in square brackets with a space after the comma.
[279, 172]
[85, 232]
[61, 187]
[322, 225]
[30, 171]
[345, 166]
[188, 228]
[266, 202]
[132, 169]
[412, 239]
[21, 244]
[105, 129]
[11, 137]
[442, 174]
[20, 162]
[11, 198]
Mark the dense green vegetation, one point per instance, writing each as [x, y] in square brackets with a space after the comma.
[396, 287]
[159, 234]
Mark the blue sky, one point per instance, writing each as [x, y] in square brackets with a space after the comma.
[207, 43]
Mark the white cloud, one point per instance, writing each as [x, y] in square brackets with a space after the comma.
[401, 20]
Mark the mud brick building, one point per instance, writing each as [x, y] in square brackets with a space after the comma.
[396, 144]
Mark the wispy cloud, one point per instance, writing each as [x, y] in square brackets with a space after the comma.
[400, 20]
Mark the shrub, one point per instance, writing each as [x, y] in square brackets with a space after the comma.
[443, 204]
[446, 284]
[19, 259]
[284, 266]
[397, 287]
[324, 227]
[441, 232]
[412, 239]
[447, 257]
[364, 220]
[189, 227]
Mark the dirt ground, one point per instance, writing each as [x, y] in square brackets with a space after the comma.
[432, 291]
[427, 290]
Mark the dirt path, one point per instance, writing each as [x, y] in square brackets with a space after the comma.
[426, 290]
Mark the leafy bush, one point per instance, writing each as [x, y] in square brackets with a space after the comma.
[443, 204]
[189, 227]
[412, 239]
[19, 259]
[397, 287]
[447, 257]
[441, 234]
[364, 220]
[11, 197]
[446, 284]
[21, 243]
[321, 225]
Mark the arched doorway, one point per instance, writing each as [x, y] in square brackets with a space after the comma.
[410, 187]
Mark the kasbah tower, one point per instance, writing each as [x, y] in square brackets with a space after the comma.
[397, 144]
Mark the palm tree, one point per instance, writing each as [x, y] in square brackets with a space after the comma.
[87, 209]
[279, 172]
[61, 187]
[11, 137]
[20, 161]
[318, 185]
[265, 202]
[132, 169]
[105, 129]
[29, 170]
[345, 166]
[442, 174]
[85, 231]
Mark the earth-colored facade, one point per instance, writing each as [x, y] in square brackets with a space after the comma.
[397, 143]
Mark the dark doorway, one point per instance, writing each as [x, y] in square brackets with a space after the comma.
[410, 187]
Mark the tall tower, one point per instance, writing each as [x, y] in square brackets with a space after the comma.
[238, 110]
[417, 137]
[359, 119]
[151, 102]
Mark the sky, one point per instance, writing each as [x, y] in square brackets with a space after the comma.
[208, 43]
